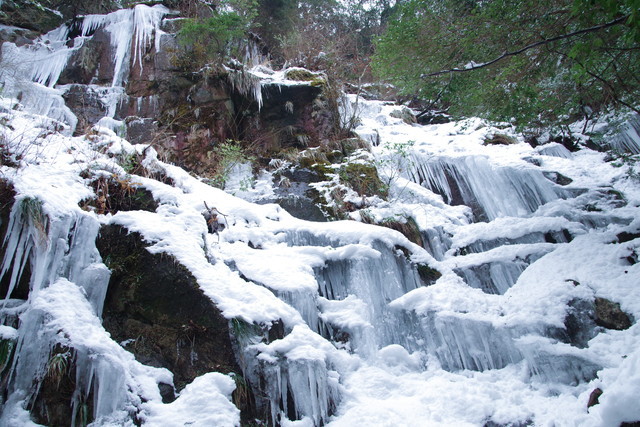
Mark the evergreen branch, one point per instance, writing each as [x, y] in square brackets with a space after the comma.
[475, 66]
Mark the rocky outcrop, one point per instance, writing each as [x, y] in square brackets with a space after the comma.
[156, 310]
[26, 14]
[608, 314]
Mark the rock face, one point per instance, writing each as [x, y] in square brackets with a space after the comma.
[155, 308]
[609, 315]
[22, 14]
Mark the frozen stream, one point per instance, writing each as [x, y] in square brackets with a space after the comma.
[366, 339]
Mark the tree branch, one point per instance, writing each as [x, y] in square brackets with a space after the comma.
[474, 66]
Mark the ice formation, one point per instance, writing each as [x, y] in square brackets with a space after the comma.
[365, 338]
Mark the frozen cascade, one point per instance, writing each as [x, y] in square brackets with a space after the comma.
[297, 380]
[67, 289]
[468, 344]
[135, 27]
[495, 277]
[492, 192]
[45, 60]
[628, 138]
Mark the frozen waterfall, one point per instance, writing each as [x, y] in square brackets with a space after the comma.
[496, 319]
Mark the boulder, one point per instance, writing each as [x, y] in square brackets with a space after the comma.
[29, 14]
[608, 314]
[155, 305]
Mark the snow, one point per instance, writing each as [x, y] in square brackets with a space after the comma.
[357, 336]
[204, 402]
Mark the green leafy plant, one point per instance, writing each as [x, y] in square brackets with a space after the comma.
[539, 63]
[228, 155]
[32, 210]
[58, 366]
[6, 353]
[395, 161]
[212, 39]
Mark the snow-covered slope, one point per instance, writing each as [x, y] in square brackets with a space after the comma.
[510, 333]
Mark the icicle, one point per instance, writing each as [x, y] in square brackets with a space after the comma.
[468, 344]
[495, 192]
[628, 139]
[246, 84]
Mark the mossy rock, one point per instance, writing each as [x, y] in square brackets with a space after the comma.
[29, 14]
[499, 139]
[428, 274]
[157, 304]
[409, 228]
[609, 315]
[363, 179]
[300, 75]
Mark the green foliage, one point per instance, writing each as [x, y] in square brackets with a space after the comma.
[427, 274]
[33, 212]
[213, 39]
[6, 353]
[58, 366]
[363, 179]
[552, 82]
[228, 155]
[396, 160]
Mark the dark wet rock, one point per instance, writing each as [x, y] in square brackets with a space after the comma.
[534, 161]
[297, 197]
[499, 139]
[557, 178]
[156, 309]
[27, 14]
[18, 36]
[405, 114]
[579, 322]
[568, 142]
[626, 236]
[433, 118]
[167, 392]
[141, 130]
[92, 63]
[594, 397]
[86, 103]
[608, 314]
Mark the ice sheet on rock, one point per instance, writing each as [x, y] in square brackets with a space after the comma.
[627, 139]
[554, 149]
[128, 28]
[494, 277]
[300, 372]
[511, 228]
[60, 314]
[495, 191]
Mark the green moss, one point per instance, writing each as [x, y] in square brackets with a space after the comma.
[300, 75]
[363, 179]
[427, 274]
[6, 354]
[408, 227]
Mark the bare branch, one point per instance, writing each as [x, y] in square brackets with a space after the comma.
[475, 66]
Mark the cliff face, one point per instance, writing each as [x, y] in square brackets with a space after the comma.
[125, 72]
